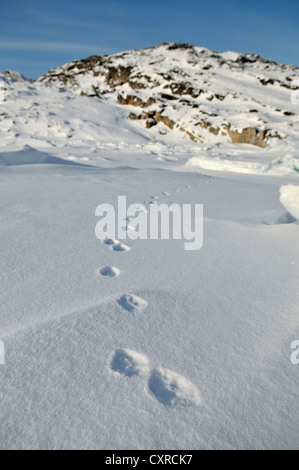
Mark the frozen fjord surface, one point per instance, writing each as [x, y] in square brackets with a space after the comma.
[203, 358]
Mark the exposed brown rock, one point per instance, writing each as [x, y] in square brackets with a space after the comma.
[184, 88]
[214, 130]
[166, 76]
[149, 102]
[129, 100]
[265, 81]
[208, 125]
[134, 101]
[204, 124]
[134, 116]
[150, 123]
[189, 134]
[154, 117]
[178, 45]
[147, 114]
[219, 97]
[165, 96]
[249, 135]
[137, 85]
[118, 76]
[160, 118]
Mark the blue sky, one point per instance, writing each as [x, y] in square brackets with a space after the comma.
[36, 35]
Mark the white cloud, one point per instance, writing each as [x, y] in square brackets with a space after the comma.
[48, 46]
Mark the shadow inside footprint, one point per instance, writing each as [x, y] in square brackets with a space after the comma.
[286, 218]
[110, 241]
[172, 389]
[109, 271]
[120, 247]
[162, 393]
[128, 363]
[131, 302]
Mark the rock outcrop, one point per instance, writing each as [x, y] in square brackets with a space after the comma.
[190, 91]
[249, 135]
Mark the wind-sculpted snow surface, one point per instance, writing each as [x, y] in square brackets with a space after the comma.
[155, 347]
[289, 198]
[31, 156]
[252, 165]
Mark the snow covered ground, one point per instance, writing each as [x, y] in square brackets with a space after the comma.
[172, 349]
[141, 344]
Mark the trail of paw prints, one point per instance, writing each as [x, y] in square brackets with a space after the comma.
[139, 208]
[112, 271]
[154, 199]
[167, 386]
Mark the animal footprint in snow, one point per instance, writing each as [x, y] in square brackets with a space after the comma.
[172, 389]
[109, 271]
[139, 208]
[132, 303]
[168, 387]
[110, 241]
[116, 245]
[128, 227]
[129, 363]
[120, 247]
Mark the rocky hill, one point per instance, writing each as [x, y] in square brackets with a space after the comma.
[183, 91]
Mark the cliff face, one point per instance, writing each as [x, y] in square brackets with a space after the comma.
[190, 92]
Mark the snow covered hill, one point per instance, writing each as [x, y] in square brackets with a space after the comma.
[179, 88]
[178, 97]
